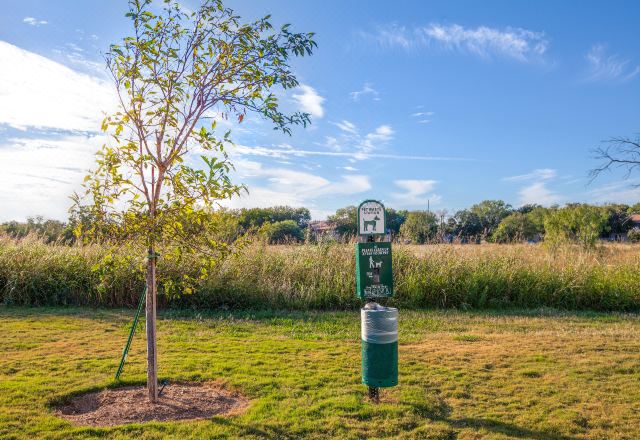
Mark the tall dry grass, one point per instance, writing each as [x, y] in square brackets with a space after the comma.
[322, 277]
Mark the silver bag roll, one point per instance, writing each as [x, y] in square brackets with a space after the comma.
[379, 325]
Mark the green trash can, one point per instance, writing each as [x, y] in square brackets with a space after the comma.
[379, 331]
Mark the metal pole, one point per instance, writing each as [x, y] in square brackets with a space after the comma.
[125, 351]
[374, 394]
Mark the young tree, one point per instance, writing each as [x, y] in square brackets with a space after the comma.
[346, 220]
[515, 227]
[395, 219]
[419, 227]
[284, 231]
[490, 213]
[575, 223]
[174, 72]
[256, 217]
[466, 224]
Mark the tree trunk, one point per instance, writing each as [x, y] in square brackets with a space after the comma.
[152, 356]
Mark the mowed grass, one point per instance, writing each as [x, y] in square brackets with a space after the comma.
[532, 375]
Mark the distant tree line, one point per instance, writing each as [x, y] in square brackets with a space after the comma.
[490, 220]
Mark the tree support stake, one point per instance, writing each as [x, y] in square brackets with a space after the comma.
[125, 351]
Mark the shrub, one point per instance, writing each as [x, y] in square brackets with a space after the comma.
[576, 223]
[419, 227]
[634, 235]
[286, 231]
[515, 227]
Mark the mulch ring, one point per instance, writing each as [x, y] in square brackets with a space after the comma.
[178, 401]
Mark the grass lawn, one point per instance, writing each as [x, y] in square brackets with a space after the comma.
[462, 375]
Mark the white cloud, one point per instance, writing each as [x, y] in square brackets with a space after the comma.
[373, 140]
[309, 101]
[624, 191]
[285, 186]
[347, 126]
[351, 155]
[538, 174]
[367, 89]
[422, 117]
[78, 58]
[361, 145]
[38, 92]
[605, 67]
[416, 187]
[515, 43]
[350, 168]
[332, 143]
[538, 193]
[415, 193]
[34, 21]
[39, 175]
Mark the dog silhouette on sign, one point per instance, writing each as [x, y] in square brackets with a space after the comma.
[371, 223]
[373, 264]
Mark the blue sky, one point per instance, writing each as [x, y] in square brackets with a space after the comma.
[411, 101]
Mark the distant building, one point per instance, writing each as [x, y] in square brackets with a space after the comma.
[634, 221]
[322, 227]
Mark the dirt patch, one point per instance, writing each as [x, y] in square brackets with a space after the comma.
[178, 401]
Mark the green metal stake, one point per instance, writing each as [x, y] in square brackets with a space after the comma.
[133, 330]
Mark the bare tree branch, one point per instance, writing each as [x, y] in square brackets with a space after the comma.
[618, 153]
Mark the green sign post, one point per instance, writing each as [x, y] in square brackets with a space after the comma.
[374, 281]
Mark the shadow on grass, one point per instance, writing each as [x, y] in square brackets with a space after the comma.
[262, 431]
[508, 429]
[440, 411]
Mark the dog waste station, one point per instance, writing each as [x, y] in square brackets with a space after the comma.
[374, 282]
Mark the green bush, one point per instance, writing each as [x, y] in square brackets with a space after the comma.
[633, 235]
[286, 231]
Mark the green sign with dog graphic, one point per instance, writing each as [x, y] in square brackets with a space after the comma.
[374, 274]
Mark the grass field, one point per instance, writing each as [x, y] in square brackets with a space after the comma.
[321, 277]
[531, 375]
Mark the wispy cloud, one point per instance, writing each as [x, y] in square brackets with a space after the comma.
[284, 186]
[38, 92]
[346, 126]
[284, 153]
[625, 191]
[309, 101]
[367, 90]
[373, 140]
[609, 67]
[486, 42]
[422, 117]
[350, 138]
[415, 193]
[537, 191]
[538, 174]
[34, 21]
[78, 58]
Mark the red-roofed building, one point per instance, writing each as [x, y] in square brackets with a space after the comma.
[634, 219]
